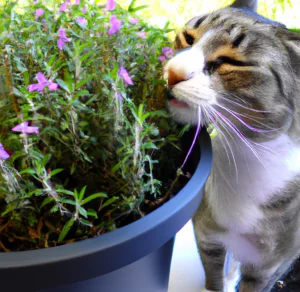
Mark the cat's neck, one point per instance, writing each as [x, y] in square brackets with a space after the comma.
[265, 166]
[238, 187]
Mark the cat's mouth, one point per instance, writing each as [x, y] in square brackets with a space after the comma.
[175, 102]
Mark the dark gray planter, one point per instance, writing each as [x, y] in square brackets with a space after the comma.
[135, 258]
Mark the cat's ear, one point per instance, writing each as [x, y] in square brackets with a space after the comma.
[291, 42]
[250, 4]
[285, 34]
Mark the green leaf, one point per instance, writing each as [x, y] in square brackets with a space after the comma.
[81, 194]
[83, 92]
[63, 191]
[120, 163]
[144, 117]
[46, 201]
[84, 57]
[85, 222]
[54, 209]
[45, 160]
[83, 212]
[92, 213]
[109, 202]
[82, 82]
[139, 8]
[149, 145]
[28, 170]
[66, 230]
[6, 212]
[131, 5]
[68, 201]
[140, 111]
[17, 92]
[63, 85]
[172, 137]
[76, 195]
[55, 171]
[93, 197]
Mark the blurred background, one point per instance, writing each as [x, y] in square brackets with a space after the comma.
[178, 12]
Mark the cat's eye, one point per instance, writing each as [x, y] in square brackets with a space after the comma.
[188, 38]
[212, 66]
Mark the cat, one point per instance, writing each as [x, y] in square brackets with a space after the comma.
[241, 72]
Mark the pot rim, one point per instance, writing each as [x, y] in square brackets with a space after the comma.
[88, 247]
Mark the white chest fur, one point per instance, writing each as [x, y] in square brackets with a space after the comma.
[236, 192]
[235, 196]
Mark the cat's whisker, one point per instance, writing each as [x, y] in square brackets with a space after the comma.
[235, 96]
[213, 119]
[252, 142]
[236, 115]
[242, 106]
[239, 134]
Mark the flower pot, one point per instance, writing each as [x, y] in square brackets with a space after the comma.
[135, 258]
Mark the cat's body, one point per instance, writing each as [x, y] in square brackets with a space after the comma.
[255, 212]
[241, 72]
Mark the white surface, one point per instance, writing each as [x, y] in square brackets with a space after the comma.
[186, 269]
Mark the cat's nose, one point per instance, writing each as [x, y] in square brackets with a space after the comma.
[174, 76]
[181, 67]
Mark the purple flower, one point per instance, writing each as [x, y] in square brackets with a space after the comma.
[62, 38]
[53, 86]
[42, 82]
[62, 33]
[167, 51]
[63, 7]
[81, 21]
[35, 1]
[124, 74]
[142, 34]
[3, 154]
[38, 13]
[60, 44]
[25, 129]
[84, 9]
[115, 25]
[36, 87]
[133, 20]
[161, 58]
[77, 2]
[92, 13]
[40, 77]
[110, 5]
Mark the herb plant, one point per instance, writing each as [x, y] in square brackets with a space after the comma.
[86, 145]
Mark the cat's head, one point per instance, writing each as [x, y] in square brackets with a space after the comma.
[242, 69]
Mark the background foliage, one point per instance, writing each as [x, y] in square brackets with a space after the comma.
[178, 12]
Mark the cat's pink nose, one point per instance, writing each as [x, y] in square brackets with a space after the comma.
[174, 77]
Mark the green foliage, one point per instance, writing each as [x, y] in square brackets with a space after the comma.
[101, 142]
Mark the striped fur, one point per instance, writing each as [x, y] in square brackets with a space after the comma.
[243, 71]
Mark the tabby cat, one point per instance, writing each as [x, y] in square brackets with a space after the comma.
[241, 72]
